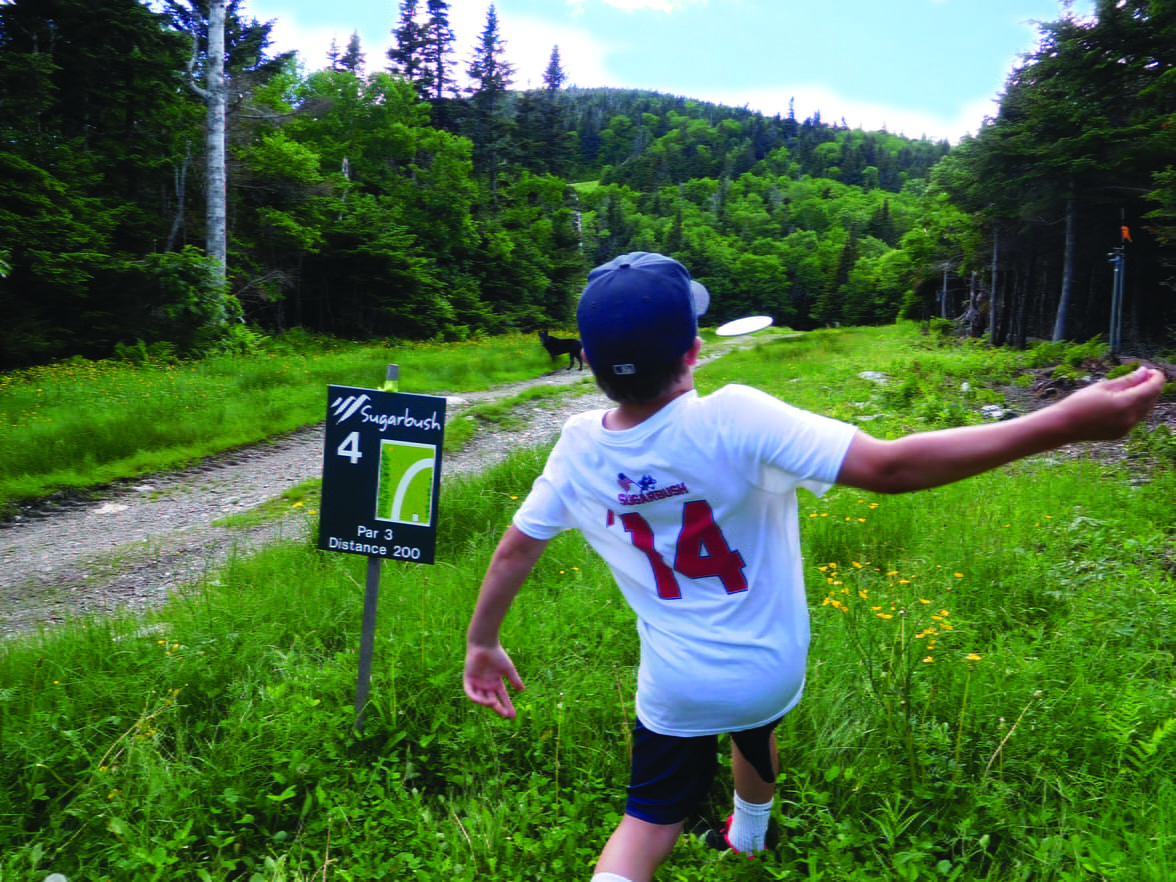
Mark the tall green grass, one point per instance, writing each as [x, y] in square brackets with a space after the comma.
[991, 691]
[82, 423]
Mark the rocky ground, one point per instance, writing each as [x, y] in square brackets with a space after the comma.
[139, 541]
[130, 545]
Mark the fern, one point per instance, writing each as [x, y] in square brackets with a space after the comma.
[1143, 751]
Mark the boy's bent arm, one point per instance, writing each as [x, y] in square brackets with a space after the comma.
[486, 662]
[1101, 412]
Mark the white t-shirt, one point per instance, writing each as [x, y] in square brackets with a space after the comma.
[694, 510]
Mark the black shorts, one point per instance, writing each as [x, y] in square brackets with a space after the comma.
[671, 776]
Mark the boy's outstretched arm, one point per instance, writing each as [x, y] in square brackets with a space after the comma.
[1101, 412]
[486, 662]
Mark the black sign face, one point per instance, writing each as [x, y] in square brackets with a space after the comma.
[381, 473]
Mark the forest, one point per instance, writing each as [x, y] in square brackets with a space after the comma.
[403, 193]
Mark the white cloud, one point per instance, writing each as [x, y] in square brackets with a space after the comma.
[585, 58]
[312, 41]
[528, 48]
[634, 5]
[657, 5]
[528, 42]
[810, 99]
[528, 45]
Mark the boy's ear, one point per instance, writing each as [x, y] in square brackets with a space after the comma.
[692, 352]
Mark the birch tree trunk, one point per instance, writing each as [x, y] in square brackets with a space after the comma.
[1067, 298]
[994, 304]
[944, 307]
[217, 221]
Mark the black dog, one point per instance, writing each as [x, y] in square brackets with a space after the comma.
[557, 346]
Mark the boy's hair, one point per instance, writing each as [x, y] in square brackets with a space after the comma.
[639, 388]
[638, 316]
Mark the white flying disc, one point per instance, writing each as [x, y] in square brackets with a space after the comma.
[747, 325]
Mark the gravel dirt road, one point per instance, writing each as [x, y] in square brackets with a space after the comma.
[132, 544]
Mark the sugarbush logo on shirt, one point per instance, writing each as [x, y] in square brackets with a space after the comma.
[645, 490]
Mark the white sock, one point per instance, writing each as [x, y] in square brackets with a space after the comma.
[608, 877]
[749, 825]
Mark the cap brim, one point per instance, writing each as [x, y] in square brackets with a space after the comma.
[701, 297]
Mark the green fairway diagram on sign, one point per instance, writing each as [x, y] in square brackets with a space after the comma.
[405, 494]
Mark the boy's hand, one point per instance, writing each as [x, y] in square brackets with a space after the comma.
[1106, 411]
[485, 669]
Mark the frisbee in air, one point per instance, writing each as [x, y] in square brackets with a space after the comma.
[747, 325]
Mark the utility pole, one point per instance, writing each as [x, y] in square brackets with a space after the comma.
[1118, 258]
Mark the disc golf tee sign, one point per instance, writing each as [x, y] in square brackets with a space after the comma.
[381, 473]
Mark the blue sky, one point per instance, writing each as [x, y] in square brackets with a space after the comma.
[917, 67]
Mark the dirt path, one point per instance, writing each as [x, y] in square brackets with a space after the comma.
[143, 539]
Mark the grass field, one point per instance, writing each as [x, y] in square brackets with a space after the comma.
[77, 424]
[991, 692]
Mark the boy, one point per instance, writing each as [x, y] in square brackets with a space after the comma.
[691, 501]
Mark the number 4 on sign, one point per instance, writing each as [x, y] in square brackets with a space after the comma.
[349, 448]
[702, 551]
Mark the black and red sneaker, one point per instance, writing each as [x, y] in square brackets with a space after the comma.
[717, 839]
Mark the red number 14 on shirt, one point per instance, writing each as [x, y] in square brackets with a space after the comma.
[701, 551]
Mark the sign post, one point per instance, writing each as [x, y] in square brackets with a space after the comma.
[381, 484]
[367, 641]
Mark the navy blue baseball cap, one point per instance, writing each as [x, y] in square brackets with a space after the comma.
[639, 312]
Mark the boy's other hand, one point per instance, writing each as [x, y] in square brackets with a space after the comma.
[485, 668]
[1106, 411]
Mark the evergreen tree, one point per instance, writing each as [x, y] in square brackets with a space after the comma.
[353, 59]
[554, 76]
[1081, 130]
[558, 144]
[92, 135]
[406, 57]
[830, 306]
[436, 52]
[491, 75]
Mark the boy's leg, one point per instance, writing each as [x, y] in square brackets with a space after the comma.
[636, 848]
[749, 783]
[747, 828]
[668, 779]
